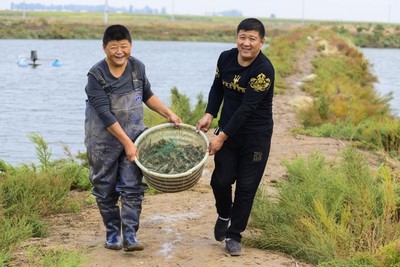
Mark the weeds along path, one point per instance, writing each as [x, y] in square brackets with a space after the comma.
[177, 228]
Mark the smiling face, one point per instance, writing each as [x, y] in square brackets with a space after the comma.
[117, 52]
[249, 44]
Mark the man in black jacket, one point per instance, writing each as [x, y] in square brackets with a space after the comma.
[244, 83]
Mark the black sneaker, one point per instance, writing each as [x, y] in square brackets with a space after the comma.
[232, 247]
[220, 229]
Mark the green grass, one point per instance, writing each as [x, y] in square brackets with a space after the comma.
[330, 212]
[54, 257]
[30, 193]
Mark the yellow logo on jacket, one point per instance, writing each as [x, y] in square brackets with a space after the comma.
[217, 72]
[260, 83]
[235, 84]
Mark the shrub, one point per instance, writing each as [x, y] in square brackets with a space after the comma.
[77, 175]
[28, 193]
[326, 213]
[180, 105]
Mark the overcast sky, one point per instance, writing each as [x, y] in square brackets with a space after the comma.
[338, 10]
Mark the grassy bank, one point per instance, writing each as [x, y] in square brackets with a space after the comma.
[332, 215]
[74, 25]
[346, 104]
[56, 25]
[28, 194]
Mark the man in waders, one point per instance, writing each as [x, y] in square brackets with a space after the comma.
[244, 83]
[116, 88]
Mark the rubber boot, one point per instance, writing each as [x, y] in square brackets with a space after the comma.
[112, 221]
[130, 213]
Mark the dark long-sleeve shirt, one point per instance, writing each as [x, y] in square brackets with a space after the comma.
[245, 92]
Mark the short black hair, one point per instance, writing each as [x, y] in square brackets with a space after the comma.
[252, 24]
[116, 32]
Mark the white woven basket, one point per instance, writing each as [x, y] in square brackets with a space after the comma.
[184, 134]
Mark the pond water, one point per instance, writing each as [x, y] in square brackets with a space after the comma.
[51, 100]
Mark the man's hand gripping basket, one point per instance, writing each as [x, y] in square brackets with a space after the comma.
[172, 159]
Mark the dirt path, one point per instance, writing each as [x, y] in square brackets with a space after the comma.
[177, 228]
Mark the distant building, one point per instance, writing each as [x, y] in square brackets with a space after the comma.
[229, 13]
[81, 8]
[100, 8]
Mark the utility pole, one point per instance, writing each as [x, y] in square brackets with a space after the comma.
[106, 12]
[23, 11]
[172, 11]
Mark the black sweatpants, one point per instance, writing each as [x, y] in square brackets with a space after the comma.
[242, 159]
